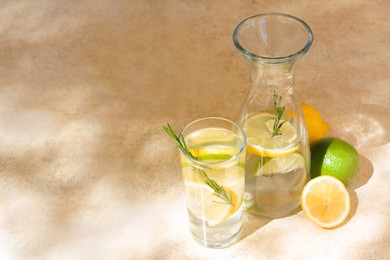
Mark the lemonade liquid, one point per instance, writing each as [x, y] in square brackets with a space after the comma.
[277, 168]
[274, 194]
[213, 222]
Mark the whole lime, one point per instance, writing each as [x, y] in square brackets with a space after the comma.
[335, 157]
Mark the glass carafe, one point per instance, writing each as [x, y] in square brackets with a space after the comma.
[278, 151]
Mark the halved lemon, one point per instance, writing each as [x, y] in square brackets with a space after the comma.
[325, 201]
[259, 129]
[280, 165]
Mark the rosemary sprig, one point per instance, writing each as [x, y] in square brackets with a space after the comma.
[278, 111]
[219, 191]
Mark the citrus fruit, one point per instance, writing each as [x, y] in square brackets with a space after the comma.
[258, 128]
[216, 210]
[316, 126]
[213, 153]
[210, 154]
[335, 157]
[280, 165]
[325, 201]
[202, 201]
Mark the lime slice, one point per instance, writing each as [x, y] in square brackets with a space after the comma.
[281, 165]
[261, 163]
[259, 128]
[213, 153]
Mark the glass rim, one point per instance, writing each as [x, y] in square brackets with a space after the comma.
[234, 157]
[273, 60]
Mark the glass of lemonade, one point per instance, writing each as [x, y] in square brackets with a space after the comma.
[214, 179]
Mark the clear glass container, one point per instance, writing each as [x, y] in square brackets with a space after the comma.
[278, 150]
[214, 180]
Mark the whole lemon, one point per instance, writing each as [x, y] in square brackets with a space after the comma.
[335, 157]
[316, 126]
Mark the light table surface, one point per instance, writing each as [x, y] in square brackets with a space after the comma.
[86, 170]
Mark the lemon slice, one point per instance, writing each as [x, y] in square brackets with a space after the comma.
[216, 210]
[259, 128]
[325, 201]
[280, 165]
[200, 198]
[203, 203]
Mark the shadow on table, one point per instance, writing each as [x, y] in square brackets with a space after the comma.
[365, 173]
[252, 223]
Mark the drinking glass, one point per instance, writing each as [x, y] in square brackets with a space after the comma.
[214, 178]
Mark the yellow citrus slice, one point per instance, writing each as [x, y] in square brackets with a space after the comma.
[325, 201]
[216, 210]
[200, 198]
[259, 129]
[202, 201]
[281, 164]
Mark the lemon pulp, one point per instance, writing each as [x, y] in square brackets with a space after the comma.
[325, 201]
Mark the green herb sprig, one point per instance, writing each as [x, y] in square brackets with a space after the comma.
[278, 111]
[219, 191]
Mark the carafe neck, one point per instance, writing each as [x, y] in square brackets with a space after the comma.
[272, 43]
[273, 77]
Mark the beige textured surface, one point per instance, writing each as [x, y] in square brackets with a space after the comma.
[86, 171]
